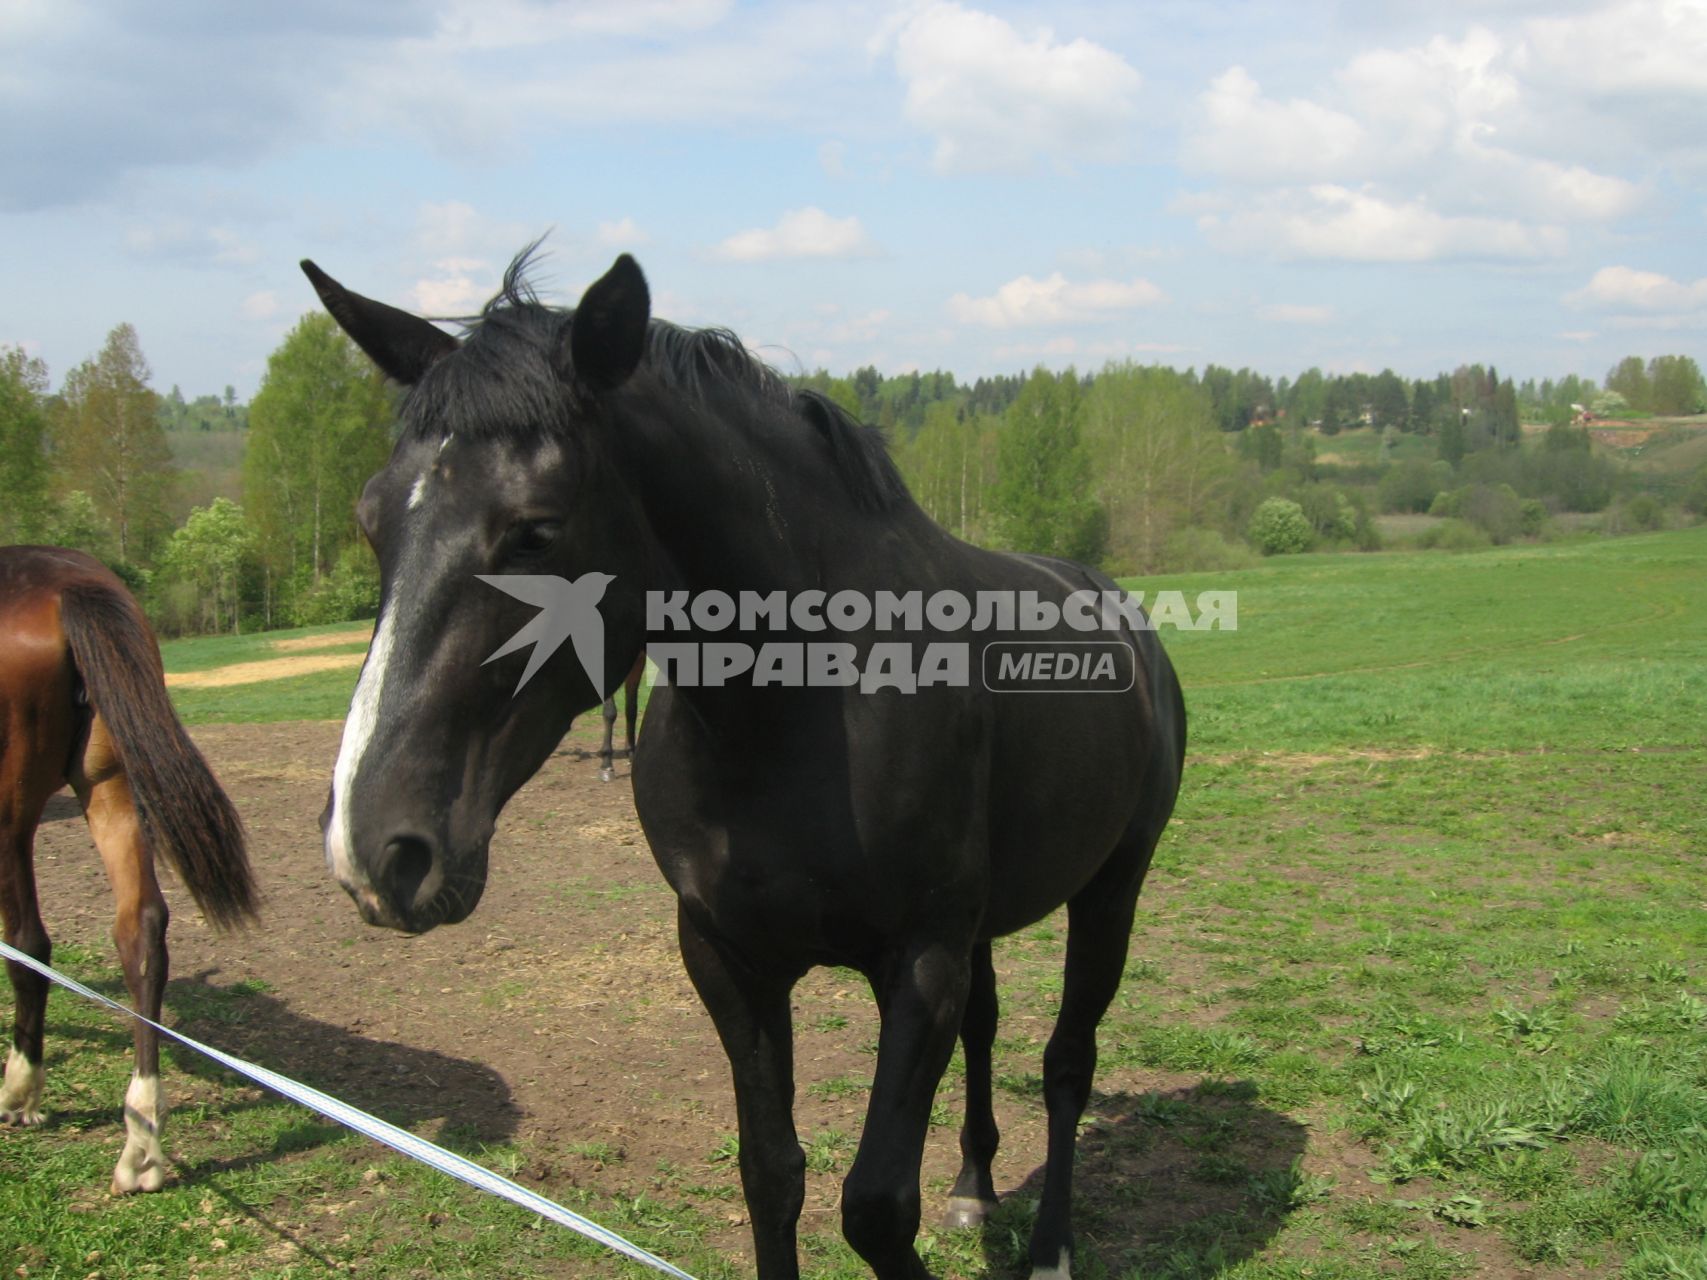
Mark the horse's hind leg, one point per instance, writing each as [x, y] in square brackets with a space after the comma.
[606, 772]
[1099, 929]
[974, 1196]
[631, 703]
[21, 1088]
[921, 993]
[139, 930]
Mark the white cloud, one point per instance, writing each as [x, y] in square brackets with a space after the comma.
[457, 287]
[1334, 222]
[487, 83]
[997, 100]
[1054, 301]
[1385, 112]
[260, 306]
[624, 233]
[1575, 190]
[1448, 146]
[1643, 48]
[456, 229]
[799, 233]
[1295, 313]
[1626, 289]
[1249, 137]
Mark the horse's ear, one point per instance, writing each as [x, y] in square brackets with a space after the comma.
[401, 344]
[607, 337]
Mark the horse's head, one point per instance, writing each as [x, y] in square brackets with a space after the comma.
[511, 582]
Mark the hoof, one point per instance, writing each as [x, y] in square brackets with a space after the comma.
[966, 1211]
[128, 1181]
[1062, 1270]
[607, 775]
[21, 1092]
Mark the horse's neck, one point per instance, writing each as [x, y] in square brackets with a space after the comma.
[731, 508]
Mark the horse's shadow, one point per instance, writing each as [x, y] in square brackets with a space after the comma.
[61, 807]
[410, 1087]
[1187, 1181]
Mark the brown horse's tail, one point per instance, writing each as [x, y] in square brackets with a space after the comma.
[184, 814]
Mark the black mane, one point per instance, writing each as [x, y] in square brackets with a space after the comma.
[512, 376]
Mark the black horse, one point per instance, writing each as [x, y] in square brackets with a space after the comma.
[894, 824]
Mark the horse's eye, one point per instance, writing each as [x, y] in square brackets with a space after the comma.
[530, 537]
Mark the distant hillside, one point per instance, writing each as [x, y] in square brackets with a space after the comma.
[210, 465]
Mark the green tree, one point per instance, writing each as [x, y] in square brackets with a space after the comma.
[109, 444]
[317, 431]
[1695, 494]
[1158, 457]
[1452, 435]
[23, 446]
[947, 467]
[210, 552]
[1041, 500]
[1421, 418]
[1503, 416]
[1308, 398]
[1629, 378]
[1264, 446]
[1279, 527]
[838, 390]
[1388, 401]
[1675, 386]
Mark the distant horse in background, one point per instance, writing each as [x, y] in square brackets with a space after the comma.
[83, 701]
[631, 701]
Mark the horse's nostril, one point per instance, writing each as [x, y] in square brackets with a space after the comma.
[408, 862]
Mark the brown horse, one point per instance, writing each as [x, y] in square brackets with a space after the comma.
[83, 701]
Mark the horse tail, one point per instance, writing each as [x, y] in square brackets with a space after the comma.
[183, 812]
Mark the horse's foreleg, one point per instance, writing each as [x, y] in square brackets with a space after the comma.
[139, 930]
[752, 1017]
[974, 1196]
[21, 1088]
[922, 994]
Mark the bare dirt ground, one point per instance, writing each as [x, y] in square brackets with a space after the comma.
[559, 1017]
[296, 644]
[264, 669]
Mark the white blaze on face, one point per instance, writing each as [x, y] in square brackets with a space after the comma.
[358, 733]
[418, 492]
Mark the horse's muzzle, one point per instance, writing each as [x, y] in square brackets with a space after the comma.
[412, 887]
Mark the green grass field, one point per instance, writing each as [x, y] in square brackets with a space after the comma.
[1423, 960]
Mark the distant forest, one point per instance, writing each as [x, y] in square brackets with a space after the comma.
[230, 516]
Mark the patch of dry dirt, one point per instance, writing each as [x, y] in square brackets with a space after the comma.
[262, 670]
[558, 1017]
[297, 644]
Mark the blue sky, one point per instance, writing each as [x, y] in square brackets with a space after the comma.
[977, 187]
